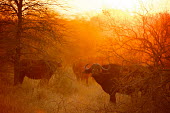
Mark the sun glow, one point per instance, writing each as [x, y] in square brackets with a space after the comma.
[93, 7]
[129, 5]
[98, 5]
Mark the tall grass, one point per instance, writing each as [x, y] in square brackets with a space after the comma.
[63, 94]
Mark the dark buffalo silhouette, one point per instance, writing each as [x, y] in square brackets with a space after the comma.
[114, 78]
[78, 68]
[36, 69]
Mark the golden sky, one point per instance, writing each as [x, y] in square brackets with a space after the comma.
[96, 6]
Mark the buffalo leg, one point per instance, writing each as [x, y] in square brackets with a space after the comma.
[21, 78]
[113, 98]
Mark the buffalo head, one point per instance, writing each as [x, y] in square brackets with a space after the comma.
[95, 69]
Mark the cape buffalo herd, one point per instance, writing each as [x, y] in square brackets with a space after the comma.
[115, 78]
[36, 69]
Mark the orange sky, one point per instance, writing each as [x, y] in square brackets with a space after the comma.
[96, 6]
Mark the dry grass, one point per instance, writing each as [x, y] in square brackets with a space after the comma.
[28, 99]
[63, 95]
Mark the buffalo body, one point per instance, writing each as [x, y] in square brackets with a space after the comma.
[36, 69]
[115, 78]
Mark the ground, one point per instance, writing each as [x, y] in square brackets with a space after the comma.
[64, 94]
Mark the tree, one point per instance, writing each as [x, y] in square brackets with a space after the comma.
[142, 39]
[32, 27]
[146, 34]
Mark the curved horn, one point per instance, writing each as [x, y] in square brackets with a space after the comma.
[87, 70]
[86, 67]
[105, 68]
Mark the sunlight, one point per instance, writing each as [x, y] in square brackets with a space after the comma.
[98, 5]
[93, 7]
[130, 5]
[86, 5]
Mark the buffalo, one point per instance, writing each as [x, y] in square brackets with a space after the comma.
[114, 78]
[78, 67]
[36, 69]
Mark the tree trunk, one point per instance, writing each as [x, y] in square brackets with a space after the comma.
[18, 43]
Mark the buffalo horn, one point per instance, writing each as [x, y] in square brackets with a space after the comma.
[86, 67]
[105, 68]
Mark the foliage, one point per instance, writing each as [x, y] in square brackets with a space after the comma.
[141, 39]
